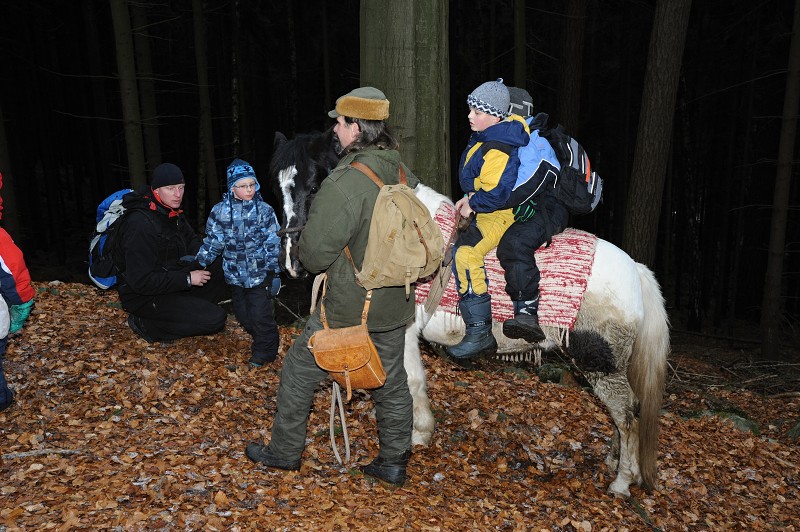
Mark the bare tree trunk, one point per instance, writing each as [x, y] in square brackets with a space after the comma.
[206, 167]
[405, 53]
[9, 201]
[131, 117]
[520, 46]
[236, 137]
[327, 97]
[655, 128]
[569, 79]
[771, 304]
[100, 147]
[147, 91]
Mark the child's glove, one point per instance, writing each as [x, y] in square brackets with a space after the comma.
[19, 313]
[525, 211]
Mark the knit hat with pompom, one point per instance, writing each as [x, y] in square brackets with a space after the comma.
[491, 98]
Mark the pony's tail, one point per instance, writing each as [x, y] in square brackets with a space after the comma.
[647, 372]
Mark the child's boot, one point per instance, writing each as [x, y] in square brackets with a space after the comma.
[477, 314]
[525, 324]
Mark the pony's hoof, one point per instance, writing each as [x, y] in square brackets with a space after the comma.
[421, 438]
[619, 489]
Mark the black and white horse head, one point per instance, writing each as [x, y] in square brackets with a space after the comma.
[297, 168]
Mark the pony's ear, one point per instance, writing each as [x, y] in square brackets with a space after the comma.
[280, 138]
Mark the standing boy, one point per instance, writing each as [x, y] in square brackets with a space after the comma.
[243, 228]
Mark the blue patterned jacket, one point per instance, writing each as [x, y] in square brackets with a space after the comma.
[245, 234]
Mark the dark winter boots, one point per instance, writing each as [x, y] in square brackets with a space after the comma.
[525, 324]
[390, 471]
[263, 455]
[477, 314]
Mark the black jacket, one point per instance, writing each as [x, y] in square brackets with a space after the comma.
[151, 244]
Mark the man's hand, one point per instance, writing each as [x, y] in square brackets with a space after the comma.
[200, 277]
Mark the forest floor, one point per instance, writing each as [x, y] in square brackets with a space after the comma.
[110, 432]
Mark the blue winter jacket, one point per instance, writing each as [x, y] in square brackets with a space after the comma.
[538, 166]
[489, 164]
[245, 234]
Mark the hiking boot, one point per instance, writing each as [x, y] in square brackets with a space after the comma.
[136, 325]
[259, 359]
[9, 400]
[261, 454]
[389, 471]
[524, 326]
[478, 340]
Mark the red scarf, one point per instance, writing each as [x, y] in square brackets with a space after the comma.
[172, 212]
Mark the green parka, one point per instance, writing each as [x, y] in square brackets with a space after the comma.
[340, 216]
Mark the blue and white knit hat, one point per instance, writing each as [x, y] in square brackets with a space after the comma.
[240, 169]
[491, 98]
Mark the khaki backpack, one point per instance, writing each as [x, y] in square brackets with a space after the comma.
[405, 244]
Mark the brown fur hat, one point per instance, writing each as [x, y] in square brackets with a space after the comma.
[367, 103]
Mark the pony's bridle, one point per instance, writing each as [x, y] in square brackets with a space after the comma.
[284, 232]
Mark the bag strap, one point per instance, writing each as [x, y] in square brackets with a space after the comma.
[322, 316]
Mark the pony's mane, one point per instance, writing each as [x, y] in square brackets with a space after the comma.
[288, 152]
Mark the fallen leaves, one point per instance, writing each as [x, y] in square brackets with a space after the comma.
[112, 432]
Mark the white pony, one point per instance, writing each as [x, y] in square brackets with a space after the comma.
[622, 308]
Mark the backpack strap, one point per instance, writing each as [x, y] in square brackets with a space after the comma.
[367, 171]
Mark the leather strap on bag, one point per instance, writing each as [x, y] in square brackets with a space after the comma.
[367, 171]
[336, 394]
[322, 317]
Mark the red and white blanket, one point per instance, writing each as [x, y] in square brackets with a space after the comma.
[565, 268]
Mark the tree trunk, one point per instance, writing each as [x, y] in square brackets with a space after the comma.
[655, 128]
[8, 209]
[147, 91]
[99, 180]
[520, 46]
[405, 53]
[131, 116]
[207, 184]
[571, 67]
[771, 304]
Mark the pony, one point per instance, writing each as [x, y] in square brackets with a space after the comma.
[621, 317]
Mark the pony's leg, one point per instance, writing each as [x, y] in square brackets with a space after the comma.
[612, 460]
[418, 386]
[615, 392]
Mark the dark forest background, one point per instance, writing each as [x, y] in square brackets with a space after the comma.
[65, 147]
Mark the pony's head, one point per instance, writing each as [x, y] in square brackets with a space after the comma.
[297, 168]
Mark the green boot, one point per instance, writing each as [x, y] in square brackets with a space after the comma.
[477, 314]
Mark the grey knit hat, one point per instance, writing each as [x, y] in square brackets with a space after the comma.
[240, 169]
[491, 98]
[521, 102]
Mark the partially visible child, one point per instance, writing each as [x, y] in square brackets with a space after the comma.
[487, 173]
[243, 228]
[17, 295]
[538, 215]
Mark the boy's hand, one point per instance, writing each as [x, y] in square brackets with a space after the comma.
[462, 206]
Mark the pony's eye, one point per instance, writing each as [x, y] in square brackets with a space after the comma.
[314, 190]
